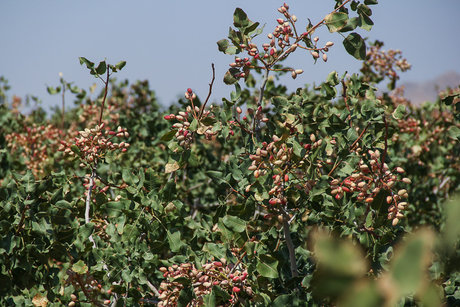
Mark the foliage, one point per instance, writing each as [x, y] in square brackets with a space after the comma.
[332, 195]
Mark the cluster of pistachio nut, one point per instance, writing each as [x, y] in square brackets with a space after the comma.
[183, 120]
[94, 143]
[92, 289]
[215, 273]
[369, 180]
[386, 63]
[35, 144]
[409, 125]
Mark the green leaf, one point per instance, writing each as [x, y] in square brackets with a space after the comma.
[333, 78]
[399, 112]
[355, 45]
[209, 300]
[267, 266]
[52, 91]
[240, 19]
[364, 10]
[222, 45]
[339, 257]
[282, 301]
[432, 296]
[362, 295]
[454, 132]
[352, 24]
[336, 21]
[80, 267]
[168, 136]
[221, 295]
[120, 65]
[370, 2]
[88, 63]
[216, 250]
[101, 68]
[232, 50]
[208, 121]
[86, 230]
[229, 77]
[175, 243]
[75, 149]
[114, 208]
[280, 101]
[185, 296]
[365, 22]
[411, 260]
[452, 228]
[234, 223]
[252, 28]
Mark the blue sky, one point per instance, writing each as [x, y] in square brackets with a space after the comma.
[173, 43]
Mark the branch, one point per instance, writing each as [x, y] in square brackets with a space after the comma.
[359, 138]
[63, 106]
[86, 292]
[153, 289]
[386, 144]
[105, 95]
[345, 99]
[256, 121]
[210, 90]
[289, 244]
[312, 29]
[88, 202]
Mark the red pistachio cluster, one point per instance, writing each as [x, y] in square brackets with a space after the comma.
[216, 273]
[183, 121]
[34, 145]
[244, 122]
[270, 155]
[89, 114]
[183, 135]
[241, 63]
[276, 157]
[283, 40]
[90, 287]
[409, 125]
[369, 180]
[93, 144]
[385, 63]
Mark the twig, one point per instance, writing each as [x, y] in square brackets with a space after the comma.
[289, 243]
[337, 163]
[256, 121]
[345, 99]
[153, 289]
[109, 184]
[210, 90]
[23, 217]
[359, 138]
[105, 95]
[88, 202]
[63, 106]
[238, 262]
[85, 291]
[382, 162]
